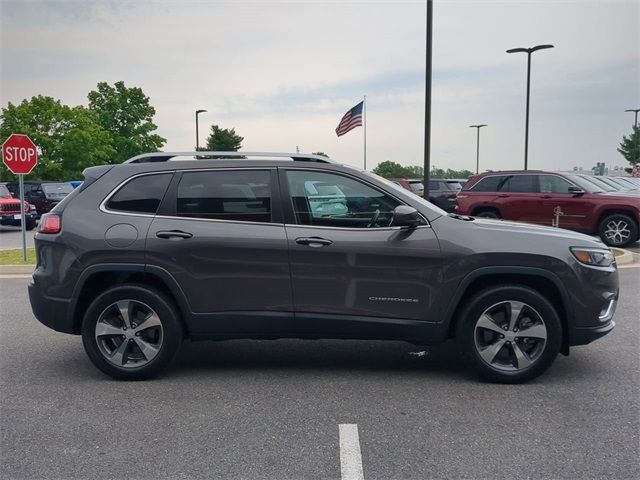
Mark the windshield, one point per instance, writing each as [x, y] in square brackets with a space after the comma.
[4, 192]
[604, 186]
[57, 188]
[397, 188]
[416, 186]
[585, 184]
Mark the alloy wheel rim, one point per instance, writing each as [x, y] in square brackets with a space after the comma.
[617, 231]
[129, 334]
[510, 336]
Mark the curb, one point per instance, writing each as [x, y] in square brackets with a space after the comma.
[625, 258]
[16, 269]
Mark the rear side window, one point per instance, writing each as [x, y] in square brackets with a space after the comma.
[240, 195]
[141, 195]
[489, 184]
[434, 185]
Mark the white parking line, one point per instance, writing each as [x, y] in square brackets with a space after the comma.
[350, 456]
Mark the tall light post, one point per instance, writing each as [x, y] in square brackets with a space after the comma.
[427, 99]
[198, 112]
[634, 110]
[478, 127]
[528, 51]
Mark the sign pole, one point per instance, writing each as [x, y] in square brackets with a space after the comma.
[23, 218]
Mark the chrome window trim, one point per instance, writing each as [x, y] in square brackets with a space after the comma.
[103, 205]
[355, 229]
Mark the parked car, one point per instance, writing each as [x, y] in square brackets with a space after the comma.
[10, 213]
[442, 192]
[231, 248]
[43, 194]
[537, 196]
[414, 185]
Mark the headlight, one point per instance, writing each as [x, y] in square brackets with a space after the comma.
[596, 257]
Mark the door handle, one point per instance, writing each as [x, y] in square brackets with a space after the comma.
[315, 242]
[546, 196]
[173, 234]
[503, 195]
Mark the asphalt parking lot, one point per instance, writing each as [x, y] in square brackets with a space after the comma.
[272, 409]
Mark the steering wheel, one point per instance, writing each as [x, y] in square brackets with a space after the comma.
[374, 219]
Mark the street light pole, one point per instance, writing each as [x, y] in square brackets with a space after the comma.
[427, 99]
[478, 127]
[634, 110]
[198, 112]
[528, 51]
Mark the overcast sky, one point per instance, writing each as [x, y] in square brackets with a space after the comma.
[284, 72]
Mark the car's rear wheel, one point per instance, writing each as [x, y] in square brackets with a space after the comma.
[618, 230]
[131, 332]
[488, 214]
[510, 333]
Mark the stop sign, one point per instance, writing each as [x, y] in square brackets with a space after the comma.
[19, 154]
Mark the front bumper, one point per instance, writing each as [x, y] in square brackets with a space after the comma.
[14, 218]
[50, 311]
[583, 336]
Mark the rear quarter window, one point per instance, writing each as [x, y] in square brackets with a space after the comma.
[489, 184]
[141, 195]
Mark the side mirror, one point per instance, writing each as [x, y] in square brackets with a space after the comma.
[405, 216]
[576, 190]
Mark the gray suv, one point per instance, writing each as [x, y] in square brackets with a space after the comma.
[157, 250]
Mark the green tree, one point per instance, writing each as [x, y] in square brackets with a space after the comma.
[128, 116]
[630, 147]
[415, 171]
[389, 169]
[68, 139]
[223, 140]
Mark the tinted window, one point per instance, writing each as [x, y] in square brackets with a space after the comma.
[240, 195]
[348, 203]
[521, 184]
[141, 195]
[553, 184]
[57, 188]
[489, 184]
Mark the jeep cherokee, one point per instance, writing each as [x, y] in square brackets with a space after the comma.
[147, 253]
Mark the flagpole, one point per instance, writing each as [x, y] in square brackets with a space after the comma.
[364, 111]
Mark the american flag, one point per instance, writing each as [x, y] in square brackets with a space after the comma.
[351, 120]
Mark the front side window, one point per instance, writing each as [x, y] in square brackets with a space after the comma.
[141, 195]
[553, 184]
[238, 195]
[330, 200]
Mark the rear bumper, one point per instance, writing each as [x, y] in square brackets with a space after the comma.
[50, 311]
[10, 218]
[583, 336]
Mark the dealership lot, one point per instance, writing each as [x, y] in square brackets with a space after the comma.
[272, 409]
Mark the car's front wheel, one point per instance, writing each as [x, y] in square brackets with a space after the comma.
[510, 333]
[131, 332]
[618, 230]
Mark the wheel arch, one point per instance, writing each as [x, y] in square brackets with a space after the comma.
[543, 281]
[97, 278]
[608, 211]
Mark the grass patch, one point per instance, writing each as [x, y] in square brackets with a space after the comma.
[13, 256]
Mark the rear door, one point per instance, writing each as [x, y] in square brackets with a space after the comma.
[520, 199]
[220, 234]
[355, 263]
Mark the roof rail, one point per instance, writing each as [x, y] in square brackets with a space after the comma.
[205, 155]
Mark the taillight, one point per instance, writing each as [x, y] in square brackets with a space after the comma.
[50, 223]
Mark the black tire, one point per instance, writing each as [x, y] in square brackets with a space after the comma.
[167, 348]
[545, 353]
[624, 223]
[488, 214]
[30, 224]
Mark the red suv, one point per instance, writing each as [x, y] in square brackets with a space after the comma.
[542, 197]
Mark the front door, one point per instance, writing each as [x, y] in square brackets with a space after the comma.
[348, 260]
[218, 234]
[573, 210]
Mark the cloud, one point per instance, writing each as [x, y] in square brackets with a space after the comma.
[283, 73]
